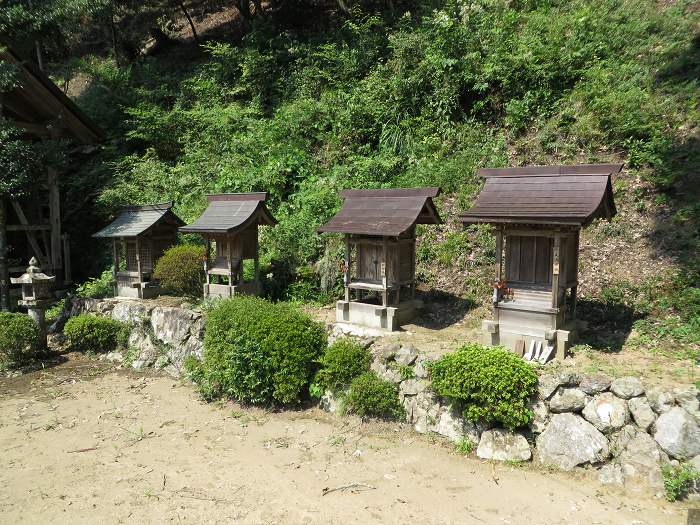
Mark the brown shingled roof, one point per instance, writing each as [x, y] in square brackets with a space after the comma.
[230, 212]
[574, 194]
[386, 212]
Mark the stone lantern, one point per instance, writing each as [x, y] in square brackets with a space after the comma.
[36, 296]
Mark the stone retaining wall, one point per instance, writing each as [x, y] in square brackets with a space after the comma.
[615, 425]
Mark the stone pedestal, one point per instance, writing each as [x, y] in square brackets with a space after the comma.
[388, 318]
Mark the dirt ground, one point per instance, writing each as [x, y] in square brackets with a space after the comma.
[84, 443]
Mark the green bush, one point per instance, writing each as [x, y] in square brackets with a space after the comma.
[342, 362]
[371, 396]
[679, 480]
[493, 385]
[93, 333]
[256, 351]
[18, 335]
[180, 270]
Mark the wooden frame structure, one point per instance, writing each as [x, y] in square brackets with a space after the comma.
[380, 253]
[39, 108]
[537, 213]
[231, 222]
[140, 235]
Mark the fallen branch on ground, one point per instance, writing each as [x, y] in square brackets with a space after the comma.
[327, 490]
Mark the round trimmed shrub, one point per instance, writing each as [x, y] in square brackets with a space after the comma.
[180, 270]
[18, 336]
[371, 396]
[492, 385]
[256, 351]
[342, 362]
[94, 333]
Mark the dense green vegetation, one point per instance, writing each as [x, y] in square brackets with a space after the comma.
[95, 333]
[256, 351]
[342, 362]
[371, 396]
[491, 385]
[18, 337]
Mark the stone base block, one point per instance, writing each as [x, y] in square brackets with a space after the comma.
[226, 291]
[141, 290]
[388, 318]
[493, 334]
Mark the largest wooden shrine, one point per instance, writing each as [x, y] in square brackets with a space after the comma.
[380, 253]
[32, 226]
[140, 235]
[537, 213]
[230, 226]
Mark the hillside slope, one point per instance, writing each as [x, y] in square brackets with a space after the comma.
[422, 97]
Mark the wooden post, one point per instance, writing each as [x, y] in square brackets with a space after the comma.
[555, 270]
[229, 257]
[207, 255]
[55, 222]
[574, 289]
[4, 268]
[346, 269]
[138, 266]
[499, 253]
[115, 262]
[67, 275]
[383, 268]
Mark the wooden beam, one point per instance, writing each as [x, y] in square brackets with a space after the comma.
[28, 227]
[33, 242]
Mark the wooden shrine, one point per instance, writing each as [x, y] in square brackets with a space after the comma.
[537, 213]
[231, 222]
[33, 226]
[140, 235]
[380, 253]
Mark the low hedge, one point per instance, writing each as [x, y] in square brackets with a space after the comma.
[371, 396]
[18, 337]
[492, 385]
[342, 362]
[256, 351]
[96, 334]
[180, 270]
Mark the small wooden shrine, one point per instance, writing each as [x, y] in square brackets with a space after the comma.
[380, 253]
[537, 213]
[231, 221]
[140, 235]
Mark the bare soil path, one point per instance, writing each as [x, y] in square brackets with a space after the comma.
[83, 443]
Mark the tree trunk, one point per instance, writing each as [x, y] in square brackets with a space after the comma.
[243, 7]
[113, 34]
[4, 270]
[189, 19]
